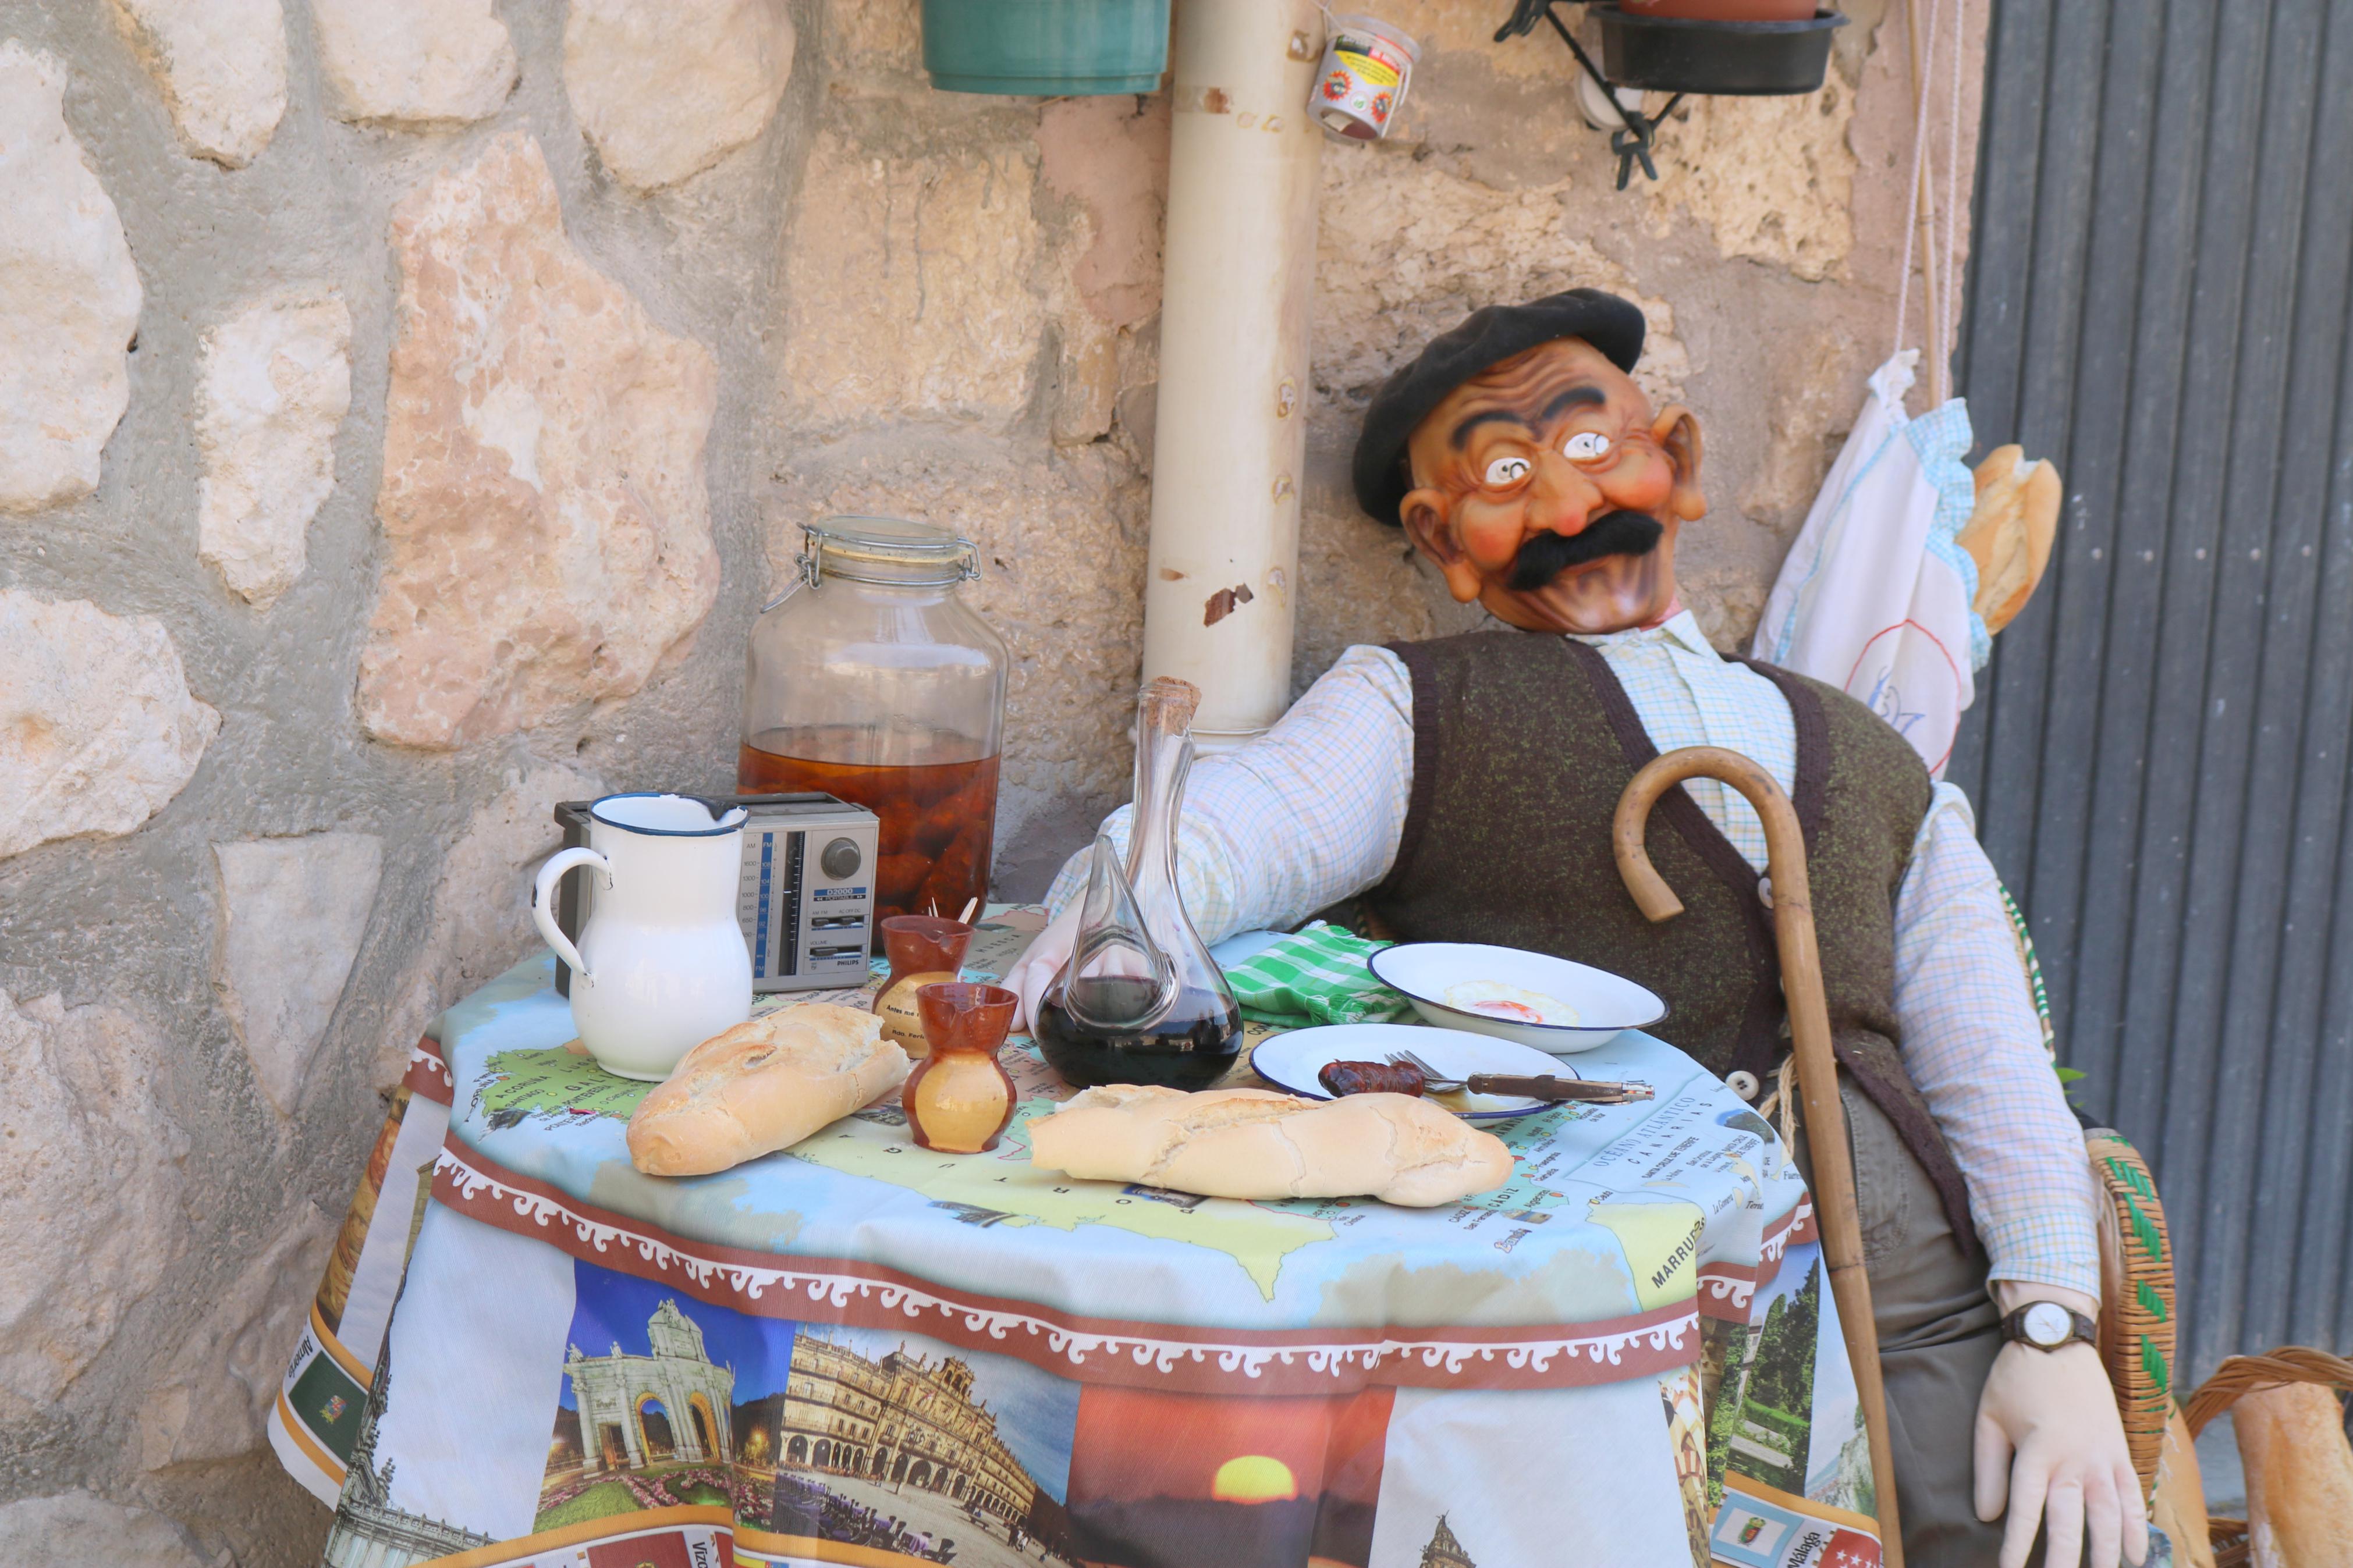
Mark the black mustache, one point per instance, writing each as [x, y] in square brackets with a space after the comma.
[1546, 556]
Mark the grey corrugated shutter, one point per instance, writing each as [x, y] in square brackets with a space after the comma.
[2159, 753]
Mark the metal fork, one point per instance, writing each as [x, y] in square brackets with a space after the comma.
[1435, 1082]
[1546, 1087]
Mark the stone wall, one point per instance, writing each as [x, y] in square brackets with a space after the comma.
[403, 410]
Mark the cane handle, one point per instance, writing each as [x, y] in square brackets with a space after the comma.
[1784, 841]
[1835, 1207]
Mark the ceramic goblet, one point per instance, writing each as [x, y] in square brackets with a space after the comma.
[960, 1097]
[924, 951]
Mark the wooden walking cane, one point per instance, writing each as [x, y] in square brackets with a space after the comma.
[1810, 1031]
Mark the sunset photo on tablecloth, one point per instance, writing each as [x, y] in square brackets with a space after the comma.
[1197, 1480]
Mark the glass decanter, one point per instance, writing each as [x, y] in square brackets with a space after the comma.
[1140, 1000]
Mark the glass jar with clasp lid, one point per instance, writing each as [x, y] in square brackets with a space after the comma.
[869, 678]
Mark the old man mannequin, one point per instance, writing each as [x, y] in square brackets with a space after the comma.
[1463, 787]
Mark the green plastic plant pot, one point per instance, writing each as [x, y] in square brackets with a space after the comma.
[1046, 48]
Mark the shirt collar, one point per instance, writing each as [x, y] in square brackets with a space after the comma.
[1681, 627]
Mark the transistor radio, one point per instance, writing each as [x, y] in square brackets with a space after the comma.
[806, 900]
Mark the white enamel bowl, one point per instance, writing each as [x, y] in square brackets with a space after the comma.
[1292, 1061]
[1604, 1003]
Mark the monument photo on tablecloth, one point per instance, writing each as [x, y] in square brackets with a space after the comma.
[886, 1441]
[897, 1441]
[649, 1394]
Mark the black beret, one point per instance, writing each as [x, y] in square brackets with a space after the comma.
[1486, 337]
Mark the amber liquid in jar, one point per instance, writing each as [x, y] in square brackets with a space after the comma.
[938, 818]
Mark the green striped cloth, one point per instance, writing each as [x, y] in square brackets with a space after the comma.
[1317, 975]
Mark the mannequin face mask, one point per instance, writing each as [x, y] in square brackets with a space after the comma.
[1546, 489]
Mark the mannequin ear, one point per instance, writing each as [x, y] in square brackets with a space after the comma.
[1424, 514]
[1676, 430]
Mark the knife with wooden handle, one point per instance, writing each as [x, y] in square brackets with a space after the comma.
[1546, 1087]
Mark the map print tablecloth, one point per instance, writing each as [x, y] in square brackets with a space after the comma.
[860, 1351]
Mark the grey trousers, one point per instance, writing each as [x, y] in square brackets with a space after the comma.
[1938, 1334]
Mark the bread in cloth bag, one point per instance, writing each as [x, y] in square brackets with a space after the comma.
[762, 1086]
[1248, 1143]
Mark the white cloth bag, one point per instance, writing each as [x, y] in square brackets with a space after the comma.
[1876, 595]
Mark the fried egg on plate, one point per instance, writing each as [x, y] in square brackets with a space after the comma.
[1494, 999]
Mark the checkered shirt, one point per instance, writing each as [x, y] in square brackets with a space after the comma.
[1312, 812]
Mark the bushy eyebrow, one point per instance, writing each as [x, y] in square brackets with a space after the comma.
[1575, 397]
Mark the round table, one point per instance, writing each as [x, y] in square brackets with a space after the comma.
[860, 1352]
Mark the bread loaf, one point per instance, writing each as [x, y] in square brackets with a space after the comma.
[1248, 1143]
[2299, 1474]
[2178, 1509]
[2009, 531]
[762, 1086]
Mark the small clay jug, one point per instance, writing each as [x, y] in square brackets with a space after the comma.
[924, 951]
[959, 1098]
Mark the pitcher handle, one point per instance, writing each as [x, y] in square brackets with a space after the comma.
[542, 901]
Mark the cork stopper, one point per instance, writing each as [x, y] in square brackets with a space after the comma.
[1167, 705]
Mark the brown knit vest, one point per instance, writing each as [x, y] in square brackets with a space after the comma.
[1522, 745]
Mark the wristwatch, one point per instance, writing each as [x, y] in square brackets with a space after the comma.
[2048, 1326]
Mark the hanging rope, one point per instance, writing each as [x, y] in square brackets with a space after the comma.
[1780, 1109]
[1939, 263]
[1920, 225]
[1951, 314]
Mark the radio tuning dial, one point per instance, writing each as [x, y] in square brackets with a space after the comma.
[841, 859]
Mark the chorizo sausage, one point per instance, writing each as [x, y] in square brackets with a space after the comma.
[1372, 1078]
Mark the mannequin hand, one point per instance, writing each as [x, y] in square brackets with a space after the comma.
[2050, 1445]
[1043, 959]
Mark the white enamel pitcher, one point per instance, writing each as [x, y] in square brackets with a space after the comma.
[661, 965]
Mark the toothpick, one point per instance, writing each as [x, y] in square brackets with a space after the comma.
[966, 919]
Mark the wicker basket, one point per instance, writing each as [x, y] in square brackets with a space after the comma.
[2136, 1339]
[2241, 1375]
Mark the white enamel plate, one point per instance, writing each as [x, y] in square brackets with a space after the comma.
[1548, 1003]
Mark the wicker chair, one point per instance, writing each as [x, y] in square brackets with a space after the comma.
[2137, 1323]
[2136, 1342]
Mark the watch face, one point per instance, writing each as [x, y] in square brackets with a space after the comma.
[2047, 1324]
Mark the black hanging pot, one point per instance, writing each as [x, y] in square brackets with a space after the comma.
[1739, 59]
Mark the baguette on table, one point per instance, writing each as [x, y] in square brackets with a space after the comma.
[1249, 1143]
[764, 1085]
